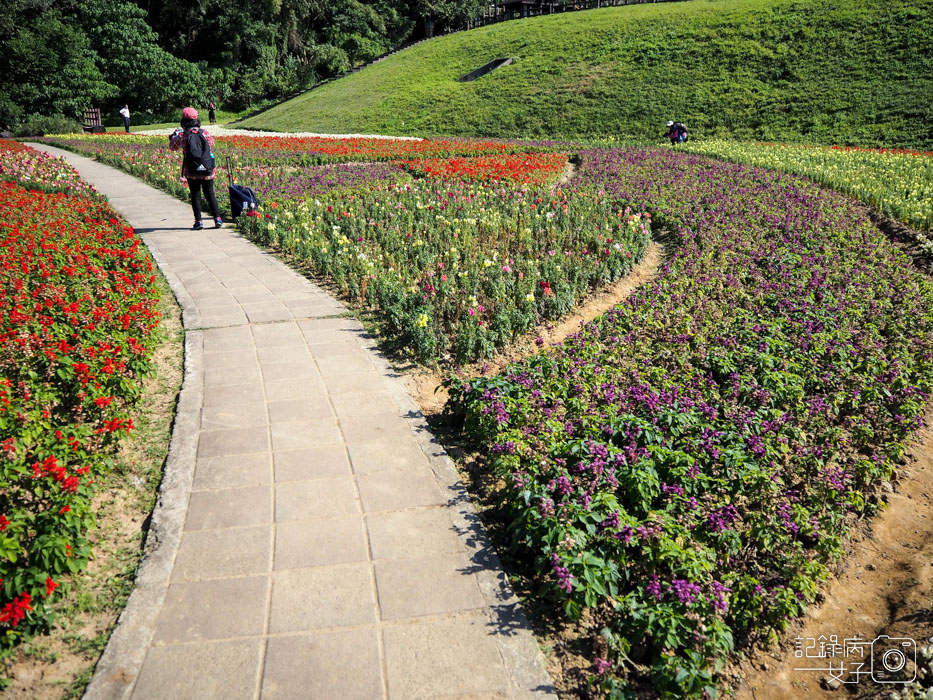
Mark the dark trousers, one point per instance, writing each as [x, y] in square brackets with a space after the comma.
[207, 186]
[126, 124]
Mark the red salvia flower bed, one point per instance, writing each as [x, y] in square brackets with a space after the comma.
[77, 320]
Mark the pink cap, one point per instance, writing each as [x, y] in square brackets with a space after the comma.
[189, 113]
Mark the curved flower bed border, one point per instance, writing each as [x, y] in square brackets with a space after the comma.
[77, 327]
[686, 468]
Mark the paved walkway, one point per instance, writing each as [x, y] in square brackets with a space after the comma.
[311, 540]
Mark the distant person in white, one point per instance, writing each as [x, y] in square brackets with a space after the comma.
[125, 112]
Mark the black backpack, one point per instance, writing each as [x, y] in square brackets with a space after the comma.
[198, 157]
[242, 199]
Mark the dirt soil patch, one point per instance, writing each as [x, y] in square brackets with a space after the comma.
[59, 664]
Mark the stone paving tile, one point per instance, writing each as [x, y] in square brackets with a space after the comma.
[319, 462]
[221, 320]
[324, 665]
[203, 289]
[214, 473]
[350, 406]
[302, 544]
[371, 458]
[224, 373]
[277, 355]
[323, 596]
[298, 410]
[233, 359]
[313, 298]
[293, 368]
[425, 532]
[294, 436]
[213, 309]
[326, 336]
[227, 339]
[263, 311]
[217, 609]
[346, 348]
[399, 489]
[381, 429]
[208, 510]
[233, 393]
[426, 586]
[225, 669]
[346, 364]
[344, 324]
[249, 294]
[238, 441]
[366, 383]
[319, 498]
[221, 301]
[234, 415]
[209, 554]
[444, 658]
[290, 389]
[277, 334]
[315, 311]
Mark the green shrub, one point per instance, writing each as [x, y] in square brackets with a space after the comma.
[39, 125]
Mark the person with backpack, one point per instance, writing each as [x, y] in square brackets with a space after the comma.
[676, 132]
[198, 166]
[681, 132]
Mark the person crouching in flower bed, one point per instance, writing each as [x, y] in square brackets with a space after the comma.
[198, 165]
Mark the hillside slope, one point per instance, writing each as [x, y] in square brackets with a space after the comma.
[844, 72]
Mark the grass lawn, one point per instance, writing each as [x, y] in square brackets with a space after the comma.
[849, 72]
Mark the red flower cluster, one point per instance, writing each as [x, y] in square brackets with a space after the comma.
[530, 168]
[14, 611]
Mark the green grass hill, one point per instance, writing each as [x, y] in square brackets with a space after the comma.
[841, 72]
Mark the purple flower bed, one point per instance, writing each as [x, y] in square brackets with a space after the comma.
[687, 466]
[299, 183]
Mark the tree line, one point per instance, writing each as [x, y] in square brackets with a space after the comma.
[59, 57]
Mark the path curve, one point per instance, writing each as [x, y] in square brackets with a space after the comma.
[310, 538]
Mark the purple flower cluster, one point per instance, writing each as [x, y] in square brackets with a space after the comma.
[721, 518]
[562, 573]
[685, 591]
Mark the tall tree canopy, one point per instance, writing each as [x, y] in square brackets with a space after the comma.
[61, 56]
